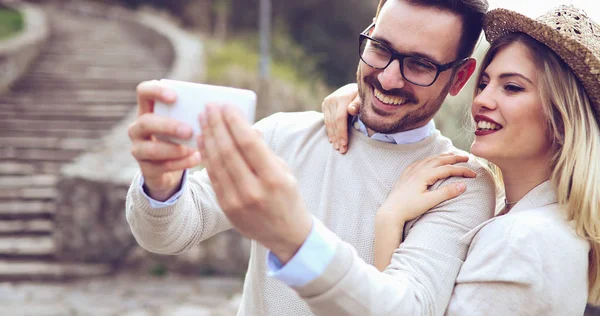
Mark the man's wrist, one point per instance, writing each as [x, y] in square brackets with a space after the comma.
[164, 194]
[285, 249]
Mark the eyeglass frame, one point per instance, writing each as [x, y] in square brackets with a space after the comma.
[400, 57]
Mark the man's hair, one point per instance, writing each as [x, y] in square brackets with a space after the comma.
[471, 13]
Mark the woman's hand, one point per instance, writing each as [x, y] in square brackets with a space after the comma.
[410, 197]
[336, 108]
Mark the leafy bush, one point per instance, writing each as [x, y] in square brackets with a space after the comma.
[327, 28]
[11, 22]
[295, 85]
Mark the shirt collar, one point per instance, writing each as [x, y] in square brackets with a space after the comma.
[407, 137]
[542, 195]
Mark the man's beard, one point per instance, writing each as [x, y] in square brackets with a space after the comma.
[378, 120]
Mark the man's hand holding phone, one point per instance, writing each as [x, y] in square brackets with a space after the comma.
[164, 134]
[162, 162]
[256, 190]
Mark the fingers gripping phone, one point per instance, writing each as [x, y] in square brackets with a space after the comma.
[192, 99]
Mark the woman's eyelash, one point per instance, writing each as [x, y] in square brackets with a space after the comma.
[513, 88]
[509, 87]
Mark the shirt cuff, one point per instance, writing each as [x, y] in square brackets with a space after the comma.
[308, 263]
[157, 204]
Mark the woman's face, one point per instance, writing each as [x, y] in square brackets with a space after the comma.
[508, 111]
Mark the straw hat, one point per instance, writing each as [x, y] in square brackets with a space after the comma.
[568, 31]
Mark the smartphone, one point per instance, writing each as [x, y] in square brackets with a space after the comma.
[192, 99]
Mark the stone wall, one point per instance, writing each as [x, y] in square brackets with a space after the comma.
[19, 52]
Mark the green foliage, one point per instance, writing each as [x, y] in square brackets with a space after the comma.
[221, 7]
[295, 83]
[326, 29]
[159, 270]
[222, 55]
[289, 62]
[11, 22]
[205, 270]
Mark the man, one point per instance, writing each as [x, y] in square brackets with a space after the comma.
[312, 218]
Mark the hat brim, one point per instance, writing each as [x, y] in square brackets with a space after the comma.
[584, 64]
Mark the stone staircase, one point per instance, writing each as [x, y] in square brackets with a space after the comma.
[79, 88]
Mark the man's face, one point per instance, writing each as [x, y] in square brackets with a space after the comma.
[390, 103]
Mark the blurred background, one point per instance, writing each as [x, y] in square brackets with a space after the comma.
[68, 72]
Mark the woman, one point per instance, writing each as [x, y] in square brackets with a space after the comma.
[536, 110]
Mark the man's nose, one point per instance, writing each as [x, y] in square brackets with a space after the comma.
[391, 77]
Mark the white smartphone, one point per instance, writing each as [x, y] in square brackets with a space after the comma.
[192, 99]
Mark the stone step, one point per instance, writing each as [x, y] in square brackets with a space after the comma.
[28, 181]
[23, 101]
[69, 47]
[99, 96]
[59, 155]
[87, 60]
[29, 193]
[137, 56]
[103, 31]
[111, 116]
[89, 49]
[60, 133]
[26, 209]
[64, 35]
[41, 125]
[140, 60]
[14, 167]
[92, 59]
[39, 270]
[77, 144]
[35, 226]
[56, 82]
[98, 73]
[26, 246]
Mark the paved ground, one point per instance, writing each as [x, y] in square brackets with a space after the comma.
[124, 295]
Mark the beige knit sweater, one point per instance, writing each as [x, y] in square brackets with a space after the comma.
[344, 193]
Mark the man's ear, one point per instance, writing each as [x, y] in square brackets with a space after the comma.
[463, 73]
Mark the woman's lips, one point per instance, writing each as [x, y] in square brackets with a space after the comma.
[486, 126]
[485, 132]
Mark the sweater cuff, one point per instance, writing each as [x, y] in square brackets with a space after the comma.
[139, 202]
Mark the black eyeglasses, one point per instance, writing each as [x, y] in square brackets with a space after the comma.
[414, 69]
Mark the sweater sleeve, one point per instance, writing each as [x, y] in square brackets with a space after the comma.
[423, 270]
[194, 217]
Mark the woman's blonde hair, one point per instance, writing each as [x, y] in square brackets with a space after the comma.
[575, 135]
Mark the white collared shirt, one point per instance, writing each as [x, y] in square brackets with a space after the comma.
[407, 137]
[529, 261]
